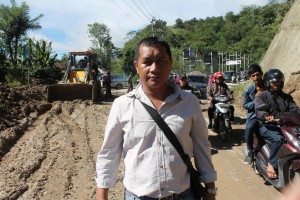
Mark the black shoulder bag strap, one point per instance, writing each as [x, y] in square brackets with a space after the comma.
[198, 189]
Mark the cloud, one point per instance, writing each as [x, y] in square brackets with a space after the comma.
[65, 22]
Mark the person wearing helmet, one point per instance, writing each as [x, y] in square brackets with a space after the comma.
[276, 101]
[252, 125]
[219, 87]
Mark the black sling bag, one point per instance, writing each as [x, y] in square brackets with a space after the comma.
[198, 189]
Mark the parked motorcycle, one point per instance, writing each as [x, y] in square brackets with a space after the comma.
[221, 121]
[233, 78]
[288, 155]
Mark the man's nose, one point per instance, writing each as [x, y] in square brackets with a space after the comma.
[154, 66]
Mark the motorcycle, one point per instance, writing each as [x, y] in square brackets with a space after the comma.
[233, 78]
[288, 155]
[221, 122]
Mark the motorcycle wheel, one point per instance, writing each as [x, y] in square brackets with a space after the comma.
[293, 177]
[223, 130]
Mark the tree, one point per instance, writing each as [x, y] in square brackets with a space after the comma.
[101, 43]
[14, 23]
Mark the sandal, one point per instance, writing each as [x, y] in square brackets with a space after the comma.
[271, 173]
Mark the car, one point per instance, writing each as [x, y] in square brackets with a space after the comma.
[228, 76]
[199, 84]
[118, 81]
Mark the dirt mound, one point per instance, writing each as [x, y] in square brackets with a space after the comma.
[19, 107]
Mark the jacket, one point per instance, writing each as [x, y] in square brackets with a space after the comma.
[249, 101]
[216, 89]
[276, 103]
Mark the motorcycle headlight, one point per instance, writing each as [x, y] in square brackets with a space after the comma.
[293, 140]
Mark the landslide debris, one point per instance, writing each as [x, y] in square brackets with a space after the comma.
[19, 107]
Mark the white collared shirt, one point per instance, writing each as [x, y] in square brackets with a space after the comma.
[152, 165]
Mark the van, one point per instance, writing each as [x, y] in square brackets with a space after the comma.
[118, 81]
[199, 84]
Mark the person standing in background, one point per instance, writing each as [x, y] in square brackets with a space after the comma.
[107, 82]
[130, 85]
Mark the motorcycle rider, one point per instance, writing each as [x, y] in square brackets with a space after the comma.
[219, 87]
[277, 102]
[252, 126]
[184, 84]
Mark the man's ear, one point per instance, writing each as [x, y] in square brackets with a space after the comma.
[135, 65]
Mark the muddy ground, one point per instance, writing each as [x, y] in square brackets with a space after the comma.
[48, 151]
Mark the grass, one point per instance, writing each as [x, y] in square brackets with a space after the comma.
[238, 91]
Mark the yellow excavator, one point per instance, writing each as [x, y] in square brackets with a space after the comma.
[79, 80]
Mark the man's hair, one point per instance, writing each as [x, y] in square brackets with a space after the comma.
[254, 68]
[152, 41]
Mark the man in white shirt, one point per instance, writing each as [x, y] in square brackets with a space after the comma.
[153, 167]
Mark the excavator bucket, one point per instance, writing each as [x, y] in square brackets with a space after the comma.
[76, 80]
[69, 92]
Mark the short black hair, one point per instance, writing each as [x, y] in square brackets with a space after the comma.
[152, 41]
[254, 68]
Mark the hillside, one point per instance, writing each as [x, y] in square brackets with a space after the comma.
[284, 51]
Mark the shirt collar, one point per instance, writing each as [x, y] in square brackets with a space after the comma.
[140, 94]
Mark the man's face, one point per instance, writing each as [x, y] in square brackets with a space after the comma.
[256, 77]
[182, 82]
[276, 85]
[153, 66]
[218, 80]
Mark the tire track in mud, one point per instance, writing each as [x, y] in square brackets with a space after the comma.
[55, 158]
[24, 158]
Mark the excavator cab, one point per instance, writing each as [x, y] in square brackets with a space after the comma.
[79, 80]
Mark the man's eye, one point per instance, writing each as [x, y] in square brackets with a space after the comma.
[148, 63]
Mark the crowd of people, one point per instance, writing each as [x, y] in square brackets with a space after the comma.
[153, 167]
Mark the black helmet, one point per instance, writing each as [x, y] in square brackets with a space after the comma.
[273, 75]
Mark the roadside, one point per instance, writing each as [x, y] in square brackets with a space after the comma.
[54, 157]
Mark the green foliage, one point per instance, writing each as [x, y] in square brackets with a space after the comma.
[249, 32]
[102, 45]
[15, 21]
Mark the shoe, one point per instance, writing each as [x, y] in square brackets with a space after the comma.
[248, 158]
[209, 126]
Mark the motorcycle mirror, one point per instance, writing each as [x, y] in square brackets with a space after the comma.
[263, 107]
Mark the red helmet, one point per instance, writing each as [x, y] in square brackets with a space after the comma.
[218, 75]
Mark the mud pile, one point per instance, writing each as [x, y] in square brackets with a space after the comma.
[19, 107]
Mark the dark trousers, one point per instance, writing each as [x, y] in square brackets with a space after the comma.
[272, 133]
[252, 127]
[108, 91]
[130, 87]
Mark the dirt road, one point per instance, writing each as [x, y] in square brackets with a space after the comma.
[55, 158]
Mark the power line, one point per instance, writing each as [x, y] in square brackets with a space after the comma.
[137, 5]
[124, 12]
[147, 5]
[134, 11]
[144, 6]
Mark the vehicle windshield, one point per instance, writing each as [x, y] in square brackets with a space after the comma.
[228, 73]
[198, 79]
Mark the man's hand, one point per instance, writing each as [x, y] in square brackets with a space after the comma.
[102, 194]
[270, 118]
[210, 196]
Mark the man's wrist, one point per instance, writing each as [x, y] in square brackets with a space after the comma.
[211, 188]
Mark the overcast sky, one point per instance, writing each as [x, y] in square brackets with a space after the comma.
[65, 21]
